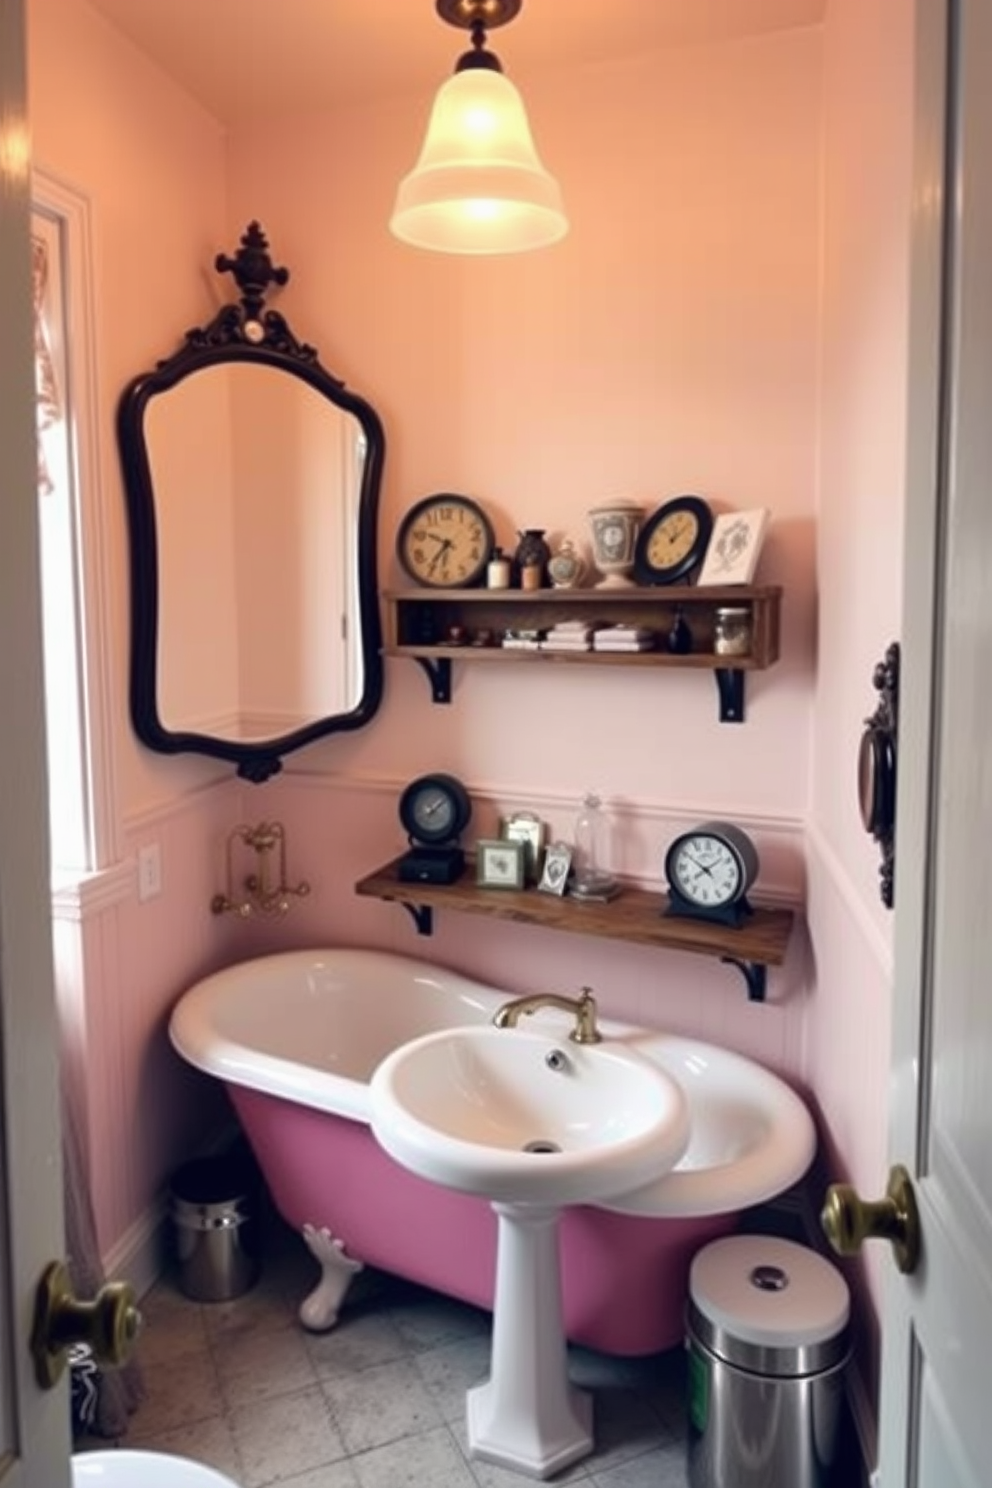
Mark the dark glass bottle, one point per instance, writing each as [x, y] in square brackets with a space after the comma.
[679, 639]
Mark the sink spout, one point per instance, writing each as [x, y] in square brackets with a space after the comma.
[584, 1008]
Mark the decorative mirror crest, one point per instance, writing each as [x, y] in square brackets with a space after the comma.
[252, 479]
[251, 322]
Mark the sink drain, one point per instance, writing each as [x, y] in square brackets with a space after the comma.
[541, 1146]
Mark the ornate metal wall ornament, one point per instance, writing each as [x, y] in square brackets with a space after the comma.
[877, 755]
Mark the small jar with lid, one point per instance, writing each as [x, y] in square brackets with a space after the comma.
[498, 572]
[732, 631]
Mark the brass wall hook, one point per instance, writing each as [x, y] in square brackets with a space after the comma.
[264, 892]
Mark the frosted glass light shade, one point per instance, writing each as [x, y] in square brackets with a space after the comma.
[479, 186]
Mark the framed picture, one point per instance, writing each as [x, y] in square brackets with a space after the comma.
[525, 827]
[734, 546]
[500, 864]
[557, 862]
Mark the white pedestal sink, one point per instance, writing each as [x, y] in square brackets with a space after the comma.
[527, 1415]
[532, 1122]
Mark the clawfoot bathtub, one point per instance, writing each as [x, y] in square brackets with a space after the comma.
[296, 1036]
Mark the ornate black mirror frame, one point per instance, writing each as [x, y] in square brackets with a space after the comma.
[251, 333]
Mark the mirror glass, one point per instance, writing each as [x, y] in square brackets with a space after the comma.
[252, 480]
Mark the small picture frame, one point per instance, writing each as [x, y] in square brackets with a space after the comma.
[557, 864]
[525, 827]
[734, 547]
[500, 864]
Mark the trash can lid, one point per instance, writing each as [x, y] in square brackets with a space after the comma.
[769, 1292]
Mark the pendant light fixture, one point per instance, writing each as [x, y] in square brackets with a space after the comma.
[478, 186]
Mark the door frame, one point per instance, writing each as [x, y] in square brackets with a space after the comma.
[37, 1445]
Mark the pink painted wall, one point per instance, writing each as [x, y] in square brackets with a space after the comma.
[641, 355]
[726, 317]
[867, 179]
[668, 344]
[152, 166]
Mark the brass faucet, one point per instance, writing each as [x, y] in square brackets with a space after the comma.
[584, 1008]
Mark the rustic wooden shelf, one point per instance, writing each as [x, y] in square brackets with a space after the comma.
[419, 621]
[634, 915]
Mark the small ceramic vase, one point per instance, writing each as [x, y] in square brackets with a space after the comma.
[615, 526]
[532, 552]
[566, 568]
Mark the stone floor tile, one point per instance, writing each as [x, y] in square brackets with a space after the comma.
[431, 1458]
[285, 1436]
[380, 1405]
[210, 1442]
[359, 1341]
[451, 1369]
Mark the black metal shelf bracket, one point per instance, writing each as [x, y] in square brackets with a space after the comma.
[422, 916]
[730, 686]
[755, 974]
[439, 675]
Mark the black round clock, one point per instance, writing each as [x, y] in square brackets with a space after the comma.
[445, 542]
[709, 871]
[435, 809]
[673, 541]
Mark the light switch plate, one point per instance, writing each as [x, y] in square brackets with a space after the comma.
[149, 871]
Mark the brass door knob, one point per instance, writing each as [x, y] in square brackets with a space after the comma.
[110, 1323]
[848, 1221]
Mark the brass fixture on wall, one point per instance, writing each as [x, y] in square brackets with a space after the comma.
[478, 185]
[263, 892]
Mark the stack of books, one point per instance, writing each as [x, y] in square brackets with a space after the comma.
[522, 640]
[569, 635]
[624, 638]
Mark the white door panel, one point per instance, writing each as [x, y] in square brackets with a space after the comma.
[937, 1324]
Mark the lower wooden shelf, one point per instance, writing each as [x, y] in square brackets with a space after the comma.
[634, 915]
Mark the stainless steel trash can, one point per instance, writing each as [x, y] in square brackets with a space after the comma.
[768, 1340]
[211, 1203]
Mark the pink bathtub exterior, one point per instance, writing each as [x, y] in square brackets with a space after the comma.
[296, 1036]
[624, 1277]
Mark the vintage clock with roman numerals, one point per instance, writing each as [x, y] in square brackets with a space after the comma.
[445, 542]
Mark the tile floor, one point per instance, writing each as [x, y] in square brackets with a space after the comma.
[376, 1403]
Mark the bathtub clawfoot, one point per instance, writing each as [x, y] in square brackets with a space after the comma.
[319, 1310]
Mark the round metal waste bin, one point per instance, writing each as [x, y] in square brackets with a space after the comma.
[211, 1202]
[768, 1341]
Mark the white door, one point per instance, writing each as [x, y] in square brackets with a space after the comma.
[34, 1424]
[936, 1417]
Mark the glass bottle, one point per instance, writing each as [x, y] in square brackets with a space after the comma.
[591, 878]
[679, 640]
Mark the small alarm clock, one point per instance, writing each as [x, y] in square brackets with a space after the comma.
[434, 810]
[709, 871]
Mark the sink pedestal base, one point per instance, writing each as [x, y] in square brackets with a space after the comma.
[527, 1416]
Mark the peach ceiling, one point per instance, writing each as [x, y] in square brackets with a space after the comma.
[245, 58]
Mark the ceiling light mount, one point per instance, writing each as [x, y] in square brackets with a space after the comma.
[478, 16]
[471, 13]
